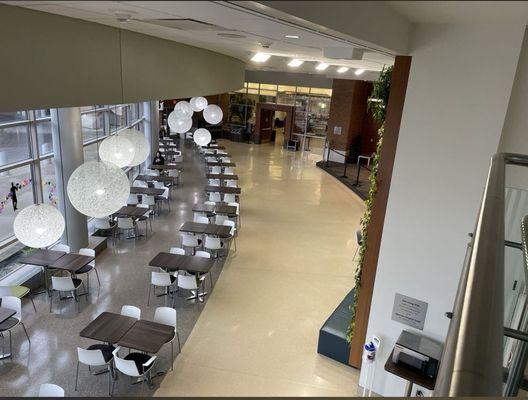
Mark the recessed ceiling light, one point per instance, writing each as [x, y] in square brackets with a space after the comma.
[295, 63]
[321, 66]
[342, 70]
[260, 57]
[292, 36]
[359, 71]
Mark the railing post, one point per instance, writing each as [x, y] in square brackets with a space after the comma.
[357, 175]
[344, 172]
[328, 156]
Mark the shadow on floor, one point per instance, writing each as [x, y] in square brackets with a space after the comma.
[358, 186]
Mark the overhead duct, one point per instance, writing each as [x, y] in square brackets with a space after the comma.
[343, 53]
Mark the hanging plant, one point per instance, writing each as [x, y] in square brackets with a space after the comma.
[377, 106]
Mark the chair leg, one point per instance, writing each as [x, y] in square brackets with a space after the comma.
[148, 298]
[51, 299]
[77, 376]
[211, 279]
[32, 302]
[172, 355]
[234, 241]
[10, 346]
[25, 331]
[109, 380]
[178, 337]
[97, 275]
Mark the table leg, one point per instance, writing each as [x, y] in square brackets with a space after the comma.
[3, 354]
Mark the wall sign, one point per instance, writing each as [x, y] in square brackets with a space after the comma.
[337, 130]
[409, 311]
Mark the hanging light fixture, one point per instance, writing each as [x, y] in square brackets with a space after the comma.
[98, 189]
[183, 110]
[139, 143]
[178, 124]
[38, 225]
[117, 150]
[202, 137]
[213, 114]
[198, 103]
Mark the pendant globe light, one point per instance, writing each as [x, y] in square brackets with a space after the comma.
[183, 110]
[98, 189]
[213, 114]
[198, 103]
[178, 124]
[117, 150]
[202, 137]
[38, 225]
[139, 143]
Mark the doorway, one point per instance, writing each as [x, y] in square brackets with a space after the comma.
[273, 124]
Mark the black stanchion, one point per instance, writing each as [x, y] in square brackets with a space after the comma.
[328, 157]
[344, 171]
[357, 176]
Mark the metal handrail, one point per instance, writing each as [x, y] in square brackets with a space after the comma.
[472, 360]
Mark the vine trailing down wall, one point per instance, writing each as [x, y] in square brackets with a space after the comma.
[377, 106]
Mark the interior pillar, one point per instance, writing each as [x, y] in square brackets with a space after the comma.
[151, 125]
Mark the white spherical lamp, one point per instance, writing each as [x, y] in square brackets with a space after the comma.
[139, 143]
[38, 225]
[213, 114]
[202, 137]
[98, 189]
[177, 124]
[198, 103]
[118, 150]
[183, 110]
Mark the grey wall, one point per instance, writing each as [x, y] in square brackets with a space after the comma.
[54, 61]
[289, 78]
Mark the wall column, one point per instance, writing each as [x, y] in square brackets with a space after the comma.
[68, 150]
[151, 124]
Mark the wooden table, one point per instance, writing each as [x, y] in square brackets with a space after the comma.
[218, 208]
[147, 336]
[5, 314]
[221, 164]
[146, 190]
[223, 189]
[42, 257]
[171, 153]
[131, 211]
[208, 229]
[177, 262]
[217, 155]
[155, 178]
[108, 327]
[214, 146]
[170, 140]
[166, 167]
[71, 262]
[222, 177]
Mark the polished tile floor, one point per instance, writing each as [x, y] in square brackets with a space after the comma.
[258, 332]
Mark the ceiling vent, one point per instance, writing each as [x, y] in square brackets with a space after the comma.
[185, 24]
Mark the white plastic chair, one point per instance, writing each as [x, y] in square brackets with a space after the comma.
[103, 224]
[149, 201]
[229, 198]
[229, 171]
[62, 247]
[50, 390]
[131, 311]
[237, 216]
[210, 203]
[167, 316]
[132, 199]
[188, 282]
[97, 355]
[177, 250]
[65, 284]
[205, 254]
[216, 170]
[165, 195]
[215, 197]
[201, 219]
[231, 183]
[160, 279]
[232, 233]
[142, 184]
[15, 304]
[126, 224]
[220, 218]
[136, 365]
[190, 241]
[213, 244]
[88, 267]
[213, 182]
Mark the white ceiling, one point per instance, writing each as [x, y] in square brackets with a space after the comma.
[229, 18]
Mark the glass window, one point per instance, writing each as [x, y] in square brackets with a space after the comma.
[117, 116]
[284, 88]
[22, 179]
[16, 116]
[133, 113]
[44, 137]
[91, 152]
[301, 89]
[41, 114]
[253, 85]
[92, 125]
[253, 91]
[326, 92]
[267, 86]
[49, 182]
[14, 144]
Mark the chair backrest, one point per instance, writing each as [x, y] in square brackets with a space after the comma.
[203, 254]
[13, 303]
[215, 197]
[230, 223]
[87, 252]
[62, 283]
[93, 358]
[231, 183]
[229, 198]
[62, 247]
[226, 159]
[174, 173]
[102, 223]
[158, 185]
[235, 204]
[201, 219]
[131, 311]
[166, 316]
[127, 367]
[140, 184]
[187, 282]
[177, 250]
[229, 171]
[50, 390]
[212, 243]
[213, 182]
[147, 199]
[216, 170]
[5, 291]
[160, 278]
[189, 240]
[178, 158]
[210, 203]
[132, 199]
[125, 223]
[219, 219]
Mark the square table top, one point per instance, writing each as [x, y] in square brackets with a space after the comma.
[154, 178]
[146, 190]
[204, 208]
[217, 155]
[108, 327]
[173, 165]
[209, 229]
[42, 257]
[218, 208]
[176, 262]
[131, 211]
[221, 164]
[5, 314]
[214, 146]
[223, 189]
[71, 262]
[167, 140]
[147, 336]
[223, 177]
[171, 153]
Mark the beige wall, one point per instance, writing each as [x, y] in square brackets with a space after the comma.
[55, 61]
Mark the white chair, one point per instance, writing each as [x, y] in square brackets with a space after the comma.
[215, 197]
[126, 225]
[188, 282]
[132, 199]
[160, 279]
[50, 390]
[136, 365]
[201, 219]
[219, 219]
[205, 254]
[103, 224]
[231, 183]
[175, 175]
[216, 170]
[62, 247]
[167, 316]
[140, 184]
[225, 159]
[97, 355]
[88, 267]
[232, 233]
[149, 201]
[213, 182]
[229, 198]
[65, 284]
[165, 196]
[178, 158]
[213, 244]
[131, 311]
[237, 215]
[191, 241]
[210, 203]
[210, 159]
[15, 304]
[229, 171]
[177, 250]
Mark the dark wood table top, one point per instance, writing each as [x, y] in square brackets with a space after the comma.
[176, 262]
[221, 164]
[131, 211]
[167, 140]
[71, 262]
[208, 229]
[6, 313]
[154, 178]
[222, 177]
[204, 208]
[108, 327]
[147, 336]
[146, 190]
[214, 146]
[42, 257]
[217, 155]
[166, 166]
[218, 208]
[409, 375]
[223, 189]
[171, 153]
